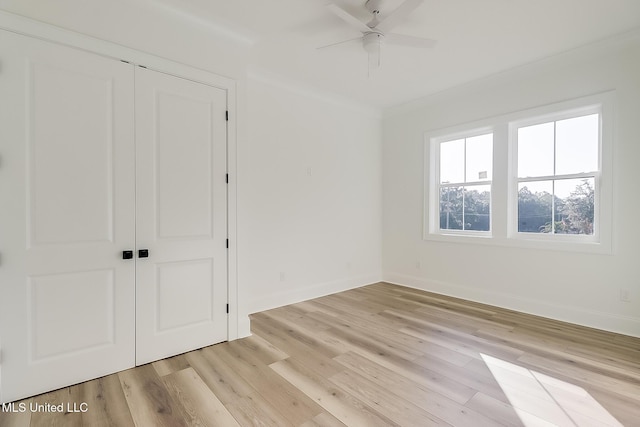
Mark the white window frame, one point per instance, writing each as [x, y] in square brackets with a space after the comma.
[434, 213]
[515, 180]
[504, 183]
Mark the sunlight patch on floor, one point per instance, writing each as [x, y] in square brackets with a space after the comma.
[539, 399]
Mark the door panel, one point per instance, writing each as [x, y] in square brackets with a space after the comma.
[184, 284]
[87, 326]
[75, 203]
[184, 144]
[181, 288]
[67, 297]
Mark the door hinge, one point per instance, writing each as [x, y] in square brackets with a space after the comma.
[227, 308]
[227, 179]
[227, 243]
[226, 115]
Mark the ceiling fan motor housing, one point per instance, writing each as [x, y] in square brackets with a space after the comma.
[371, 41]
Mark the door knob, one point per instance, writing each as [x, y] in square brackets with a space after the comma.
[127, 254]
[143, 253]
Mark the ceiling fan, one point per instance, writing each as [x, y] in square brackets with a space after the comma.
[375, 32]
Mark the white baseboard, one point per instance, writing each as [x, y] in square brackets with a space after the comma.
[244, 327]
[309, 292]
[592, 318]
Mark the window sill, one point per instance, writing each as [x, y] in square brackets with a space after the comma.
[524, 242]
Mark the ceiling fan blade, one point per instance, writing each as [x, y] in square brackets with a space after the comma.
[348, 18]
[409, 41]
[338, 43]
[398, 15]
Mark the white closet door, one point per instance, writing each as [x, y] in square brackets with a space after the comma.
[66, 215]
[181, 287]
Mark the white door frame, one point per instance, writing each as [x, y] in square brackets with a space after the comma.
[29, 27]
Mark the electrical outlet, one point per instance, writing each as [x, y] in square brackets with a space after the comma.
[625, 295]
[282, 276]
[418, 265]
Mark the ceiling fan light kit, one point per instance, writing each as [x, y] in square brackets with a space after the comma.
[376, 31]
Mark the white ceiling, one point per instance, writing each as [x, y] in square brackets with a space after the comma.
[476, 38]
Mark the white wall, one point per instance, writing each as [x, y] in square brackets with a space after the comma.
[577, 287]
[311, 188]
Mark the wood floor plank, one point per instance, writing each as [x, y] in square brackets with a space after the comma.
[435, 353]
[218, 376]
[469, 375]
[341, 405]
[344, 320]
[449, 303]
[172, 364]
[355, 339]
[201, 404]
[537, 344]
[296, 334]
[624, 409]
[149, 402]
[246, 405]
[300, 350]
[502, 413]
[252, 410]
[396, 303]
[580, 374]
[578, 403]
[464, 335]
[324, 419]
[286, 399]
[106, 403]
[608, 355]
[469, 346]
[262, 349]
[397, 409]
[434, 403]
[362, 308]
[296, 316]
[419, 374]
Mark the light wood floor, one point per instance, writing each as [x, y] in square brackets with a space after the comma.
[381, 355]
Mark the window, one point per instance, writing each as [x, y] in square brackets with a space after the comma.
[540, 178]
[557, 170]
[464, 188]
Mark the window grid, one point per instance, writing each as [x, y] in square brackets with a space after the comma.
[463, 185]
[593, 175]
